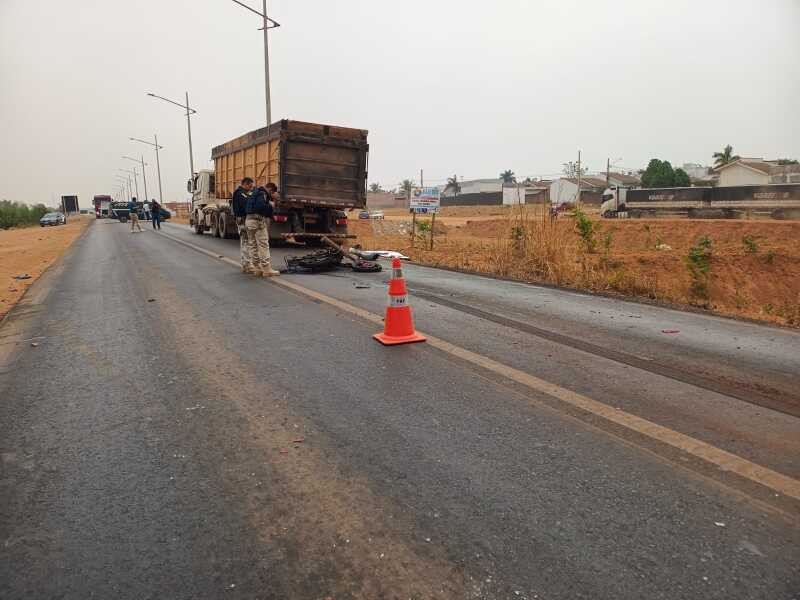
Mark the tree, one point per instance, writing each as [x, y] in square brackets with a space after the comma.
[508, 176]
[375, 187]
[658, 174]
[406, 186]
[681, 179]
[724, 157]
[570, 169]
[453, 186]
[786, 161]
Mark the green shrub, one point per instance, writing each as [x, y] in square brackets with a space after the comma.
[750, 244]
[698, 263]
[15, 214]
[586, 229]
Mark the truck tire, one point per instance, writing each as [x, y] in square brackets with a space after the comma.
[198, 226]
[214, 226]
[223, 227]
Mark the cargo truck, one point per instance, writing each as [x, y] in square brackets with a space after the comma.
[320, 171]
[777, 201]
[102, 206]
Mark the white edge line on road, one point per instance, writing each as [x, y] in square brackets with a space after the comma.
[723, 459]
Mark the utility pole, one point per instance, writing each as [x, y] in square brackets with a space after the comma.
[608, 170]
[158, 168]
[267, 24]
[421, 179]
[578, 195]
[189, 112]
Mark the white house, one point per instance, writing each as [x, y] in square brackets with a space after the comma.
[744, 171]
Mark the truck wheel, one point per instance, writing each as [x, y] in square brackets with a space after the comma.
[223, 227]
[214, 226]
[198, 226]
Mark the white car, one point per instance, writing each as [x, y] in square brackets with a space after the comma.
[376, 214]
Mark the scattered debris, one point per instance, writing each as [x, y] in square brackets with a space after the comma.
[663, 246]
[360, 285]
[34, 344]
[22, 276]
[298, 440]
[719, 523]
[670, 331]
[151, 299]
[284, 452]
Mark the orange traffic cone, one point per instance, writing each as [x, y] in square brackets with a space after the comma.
[398, 324]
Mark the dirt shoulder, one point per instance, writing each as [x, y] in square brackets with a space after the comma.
[747, 269]
[31, 250]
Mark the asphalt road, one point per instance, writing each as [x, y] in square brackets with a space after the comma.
[170, 428]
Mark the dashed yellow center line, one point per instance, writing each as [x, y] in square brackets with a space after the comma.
[722, 459]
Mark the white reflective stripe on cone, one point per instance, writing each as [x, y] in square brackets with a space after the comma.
[396, 301]
[397, 273]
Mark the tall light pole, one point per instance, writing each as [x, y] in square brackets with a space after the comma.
[144, 176]
[126, 181]
[135, 179]
[266, 25]
[158, 163]
[189, 112]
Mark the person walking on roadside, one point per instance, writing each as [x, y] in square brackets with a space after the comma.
[133, 215]
[155, 214]
[259, 212]
[239, 208]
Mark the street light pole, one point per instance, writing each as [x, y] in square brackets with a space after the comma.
[266, 62]
[158, 169]
[267, 23]
[189, 112]
[158, 163]
[144, 176]
[135, 179]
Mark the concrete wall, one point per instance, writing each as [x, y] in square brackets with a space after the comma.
[386, 200]
[513, 195]
[741, 175]
[562, 191]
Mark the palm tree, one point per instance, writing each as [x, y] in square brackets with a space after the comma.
[375, 187]
[407, 185]
[724, 157]
[508, 176]
[453, 185]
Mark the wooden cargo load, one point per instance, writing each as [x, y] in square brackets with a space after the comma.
[312, 164]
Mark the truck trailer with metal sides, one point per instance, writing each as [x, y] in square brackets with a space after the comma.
[69, 204]
[320, 171]
[102, 206]
[776, 201]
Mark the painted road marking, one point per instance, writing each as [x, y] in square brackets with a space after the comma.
[724, 460]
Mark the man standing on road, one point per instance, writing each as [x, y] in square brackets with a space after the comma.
[155, 213]
[259, 212]
[133, 215]
[239, 208]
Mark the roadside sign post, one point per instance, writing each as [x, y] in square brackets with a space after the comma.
[425, 201]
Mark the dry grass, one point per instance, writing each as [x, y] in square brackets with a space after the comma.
[638, 258]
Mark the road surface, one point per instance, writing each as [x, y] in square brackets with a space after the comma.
[171, 428]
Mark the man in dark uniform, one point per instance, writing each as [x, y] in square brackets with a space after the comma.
[239, 208]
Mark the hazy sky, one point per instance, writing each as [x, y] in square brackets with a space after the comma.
[454, 87]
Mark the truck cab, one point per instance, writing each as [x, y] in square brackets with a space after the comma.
[613, 203]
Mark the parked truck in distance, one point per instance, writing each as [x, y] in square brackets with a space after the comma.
[320, 171]
[102, 206]
[776, 201]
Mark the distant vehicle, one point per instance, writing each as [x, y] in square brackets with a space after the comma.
[363, 214]
[102, 207]
[119, 210]
[53, 218]
[376, 214]
[69, 204]
[777, 200]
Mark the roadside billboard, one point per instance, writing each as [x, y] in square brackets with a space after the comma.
[425, 200]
